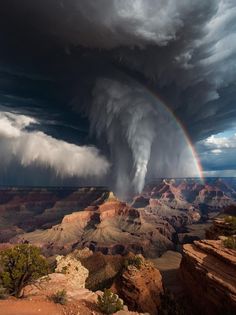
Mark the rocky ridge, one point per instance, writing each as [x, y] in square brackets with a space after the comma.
[115, 227]
[27, 209]
[180, 194]
[112, 228]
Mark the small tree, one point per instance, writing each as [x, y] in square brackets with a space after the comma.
[21, 265]
[109, 302]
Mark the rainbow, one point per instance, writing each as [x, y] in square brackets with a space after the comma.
[191, 147]
[186, 137]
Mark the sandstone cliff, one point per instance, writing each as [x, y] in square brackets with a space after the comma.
[209, 274]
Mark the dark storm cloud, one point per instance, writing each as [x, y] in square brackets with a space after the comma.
[185, 51]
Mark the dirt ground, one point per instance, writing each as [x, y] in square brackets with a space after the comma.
[44, 307]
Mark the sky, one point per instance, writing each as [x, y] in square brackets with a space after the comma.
[218, 152]
[112, 92]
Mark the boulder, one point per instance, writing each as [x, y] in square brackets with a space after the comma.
[70, 276]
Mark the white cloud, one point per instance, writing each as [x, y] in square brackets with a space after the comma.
[216, 143]
[38, 149]
[12, 124]
[217, 154]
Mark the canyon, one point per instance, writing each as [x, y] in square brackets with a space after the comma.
[166, 224]
[166, 214]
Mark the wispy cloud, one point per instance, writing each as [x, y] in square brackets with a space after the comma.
[35, 148]
[216, 142]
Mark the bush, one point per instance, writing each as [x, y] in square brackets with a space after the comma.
[232, 221]
[60, 297]
[3, 293]
[135, 261]
[230, 242]
[109, 302]
[21, 265]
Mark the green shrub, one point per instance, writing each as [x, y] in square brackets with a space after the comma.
[230, 242]
[21, 265]
[60, 297]
[3, 293]
[232, 221]
[135, 261]
[109, 302]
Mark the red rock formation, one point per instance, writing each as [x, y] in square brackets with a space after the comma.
[209, 274]
[26, 209]
[140, 288]
[180, 194]
[112, 228]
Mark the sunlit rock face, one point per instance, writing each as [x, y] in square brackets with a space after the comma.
[112, 228]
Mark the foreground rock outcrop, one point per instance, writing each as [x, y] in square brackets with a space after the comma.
[69, 275]
[208, 271]
[140, 287]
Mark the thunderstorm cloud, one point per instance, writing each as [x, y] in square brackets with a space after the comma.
[110, 88]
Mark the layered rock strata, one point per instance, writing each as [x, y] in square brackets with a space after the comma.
[208, 271]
